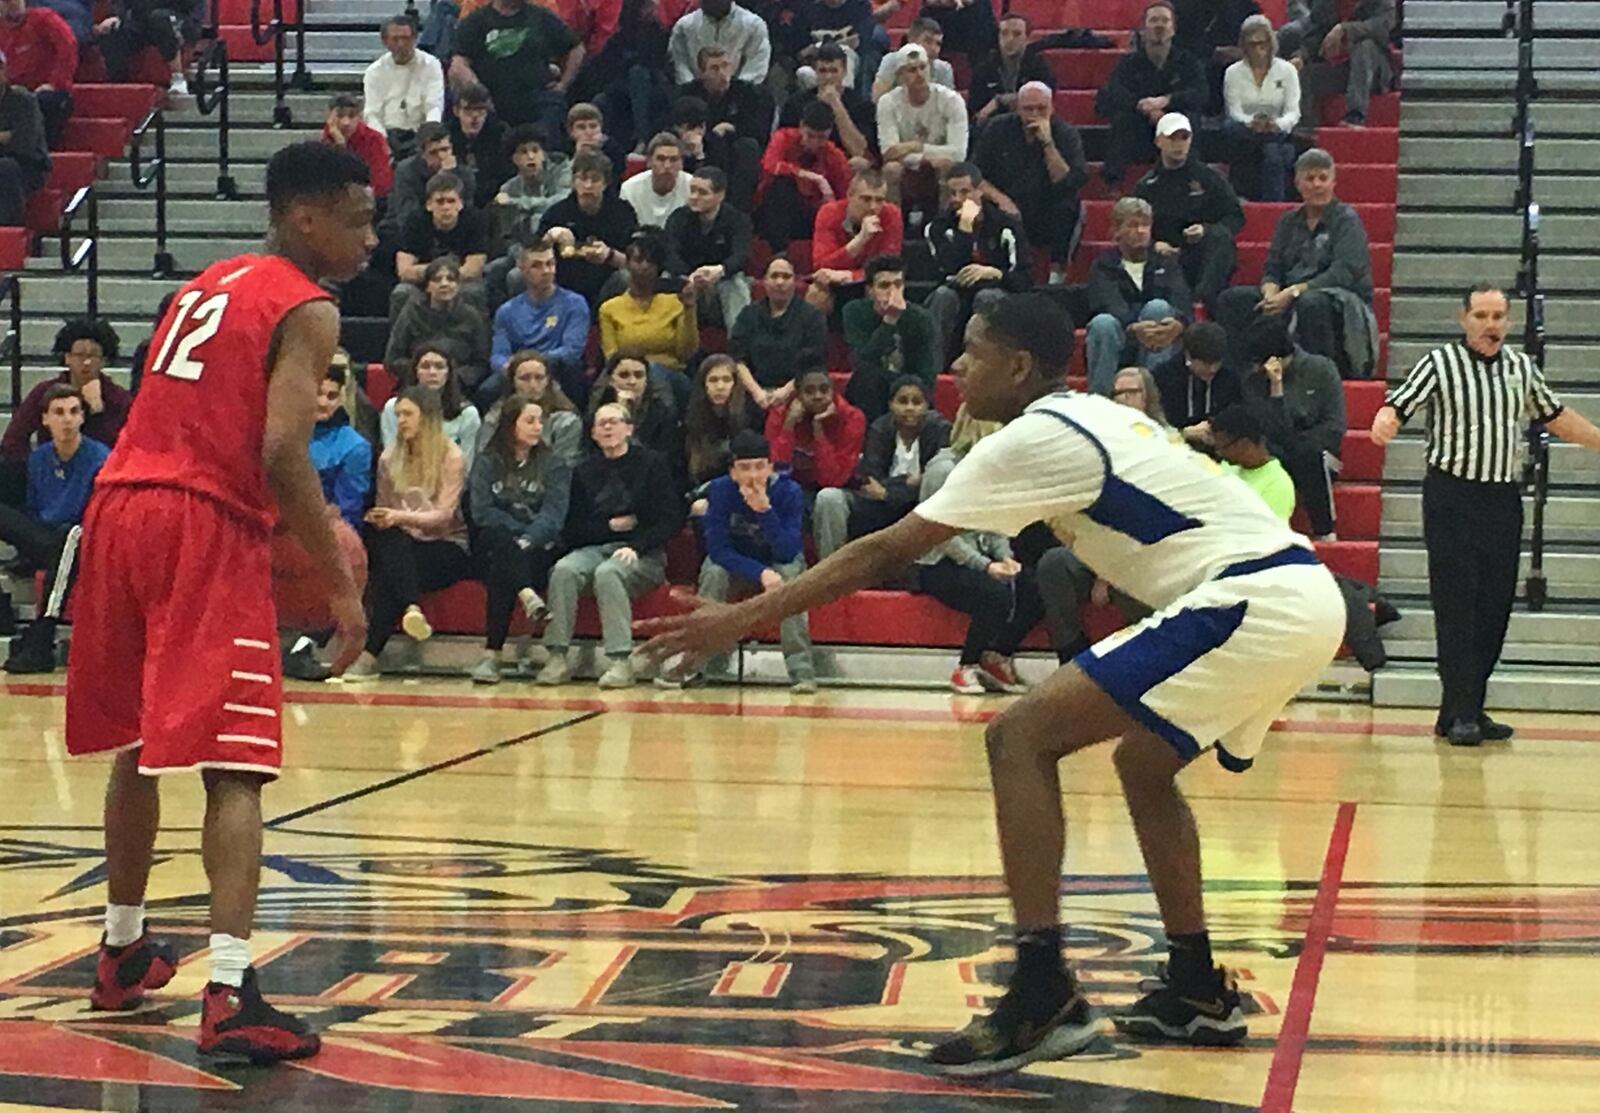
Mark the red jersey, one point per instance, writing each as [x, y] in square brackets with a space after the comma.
[200, 419]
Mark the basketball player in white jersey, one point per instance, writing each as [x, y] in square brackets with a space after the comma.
[1244, 616]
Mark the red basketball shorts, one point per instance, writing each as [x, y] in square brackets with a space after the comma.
[174, 638]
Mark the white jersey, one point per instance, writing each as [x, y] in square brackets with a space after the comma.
[1154, 518]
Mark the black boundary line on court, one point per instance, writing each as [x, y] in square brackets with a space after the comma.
[448, 763]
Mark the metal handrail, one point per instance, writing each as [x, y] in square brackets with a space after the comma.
[153, 172]
[216, 97]
[274, 31]
[11, 345]
[86, 258]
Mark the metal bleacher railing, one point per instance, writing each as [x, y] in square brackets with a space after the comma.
[274, 31]
[1536, 476]
[213, 93]
[11, 345]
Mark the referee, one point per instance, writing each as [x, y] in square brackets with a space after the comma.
[1479, 398]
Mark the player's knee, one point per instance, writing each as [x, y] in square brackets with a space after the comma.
[1143, 762]
[1005, 741]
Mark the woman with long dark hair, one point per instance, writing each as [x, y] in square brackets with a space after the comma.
[528, 379]
[719, 407]
[627, 379]
[433, 365]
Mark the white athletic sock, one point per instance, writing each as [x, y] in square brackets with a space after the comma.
[124, 924]
[230, 956]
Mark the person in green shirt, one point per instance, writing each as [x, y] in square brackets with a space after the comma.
[888, 338]
[1241, 444]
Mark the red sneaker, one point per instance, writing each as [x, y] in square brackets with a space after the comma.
[125, 973]
[239, 1024]
[998, 674]
[965, 680]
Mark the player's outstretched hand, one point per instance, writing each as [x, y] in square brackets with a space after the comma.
[708, 629]
[349, 630]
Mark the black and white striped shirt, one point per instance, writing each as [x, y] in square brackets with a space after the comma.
[1478, 410]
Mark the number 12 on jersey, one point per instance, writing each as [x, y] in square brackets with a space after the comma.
[191, 327]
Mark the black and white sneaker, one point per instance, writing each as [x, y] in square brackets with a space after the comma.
[1214, 1018]
[1026, 1027]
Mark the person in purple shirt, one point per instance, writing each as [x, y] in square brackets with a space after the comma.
[754, 541]
[60, 477]
[547, 319]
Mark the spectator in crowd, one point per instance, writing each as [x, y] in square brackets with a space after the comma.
[754, 542]
[545, 318]
[1135, 387]
[341, 455]
[133, 26]
[590, 227]
[446, 227]
[627, 76]
[1241, 444]
[24, 152]
[403, 87]
[861, 226]
[624, 508]
[719, 409]
[1318, 275]
[524, 55]
[847, 24]
[888, 338]
[1138, 299]
[1032, 163]
[1209, 30]
[997, 81]
[663, 328]
[528, 380]
[586, 131]
[978, 574]
[409, 193]
[689, 125]
[45, 531]
[708, 245]
[344, 127]
[897, 448]
[542, 178]
[1300, 401]
[1197, 214]
[922, 128]
[479, 138]
[800, 172]
[926, 33]
[853, 121]
[817, 436]
[1154, 78]
[83, 345]
[1198, 383]
[721, 23]
[442, 314]
[363, 415]
[1345, 49]
[738, 122]
[777, 338]
[968, 25]
[979, 250]
[1261, 98]
[41, 55]
[417, 541]
[652, 401]
[655, 196]
[432, 366]
[520, 489]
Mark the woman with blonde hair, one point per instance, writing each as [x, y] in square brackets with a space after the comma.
[1261, 101]
[417, 540]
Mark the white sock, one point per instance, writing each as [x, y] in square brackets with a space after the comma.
[124, 924]
[230, 956]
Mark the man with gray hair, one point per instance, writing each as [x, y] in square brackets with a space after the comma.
[404, 88]
[1318, 272]
[1033, 166]
[1138, 300]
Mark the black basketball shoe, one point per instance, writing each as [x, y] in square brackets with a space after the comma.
[1209, 1017]
[1028, 1025]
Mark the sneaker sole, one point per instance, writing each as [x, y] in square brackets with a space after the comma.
[1202, 1031]
[242, 1054]
[416, 626]
[1062, 1041]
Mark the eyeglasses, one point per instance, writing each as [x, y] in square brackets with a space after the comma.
[1128, 392]
[608, 422]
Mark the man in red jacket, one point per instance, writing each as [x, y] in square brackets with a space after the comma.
[345, 128]
[801, 171]
[41, 55]
[847, 233]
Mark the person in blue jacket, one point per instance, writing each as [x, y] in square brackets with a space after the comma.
[342, 456]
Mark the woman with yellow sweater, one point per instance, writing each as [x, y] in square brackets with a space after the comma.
[663, 328]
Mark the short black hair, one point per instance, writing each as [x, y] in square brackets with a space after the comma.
[334, 373]
[1482, 288]
[1240, 422]
[523, 134]
[715, 175]
[903, 381]
[403, 19]
[689, 112]
[1036, 324]
[747, 444]
[879, 264]
[446, 181]
[591, 162]
[344, 102]
[311, 170]
[816, 116]
[650, 243]
[430, 133]
[97, 329]
[964, 170]
[59, 391]
[473, 94]
[831, 52]
[1205, 341]
[1268, 337]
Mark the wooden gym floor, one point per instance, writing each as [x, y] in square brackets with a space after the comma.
[710, 900]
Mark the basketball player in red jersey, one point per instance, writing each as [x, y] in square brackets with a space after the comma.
[174, 664]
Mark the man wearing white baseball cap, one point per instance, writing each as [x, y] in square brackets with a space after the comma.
[1197, 214]
[922, 128]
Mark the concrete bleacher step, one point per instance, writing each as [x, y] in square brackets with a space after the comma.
[134, 253]
[1574, 576]
[1556, 193]
[118, 296]
[1568, 519]
[1565, 318]
[1570, 465]
[1491, 155]
[1558, 274]
[246, 144]
[39, 333]
[252, 109]
[1550, 52]
[1564, 364]
[137, 214]
[1570, 689]
[1484, 17]
[196, 178]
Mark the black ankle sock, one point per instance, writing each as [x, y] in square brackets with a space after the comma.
[1039, 956]
[1189, 961]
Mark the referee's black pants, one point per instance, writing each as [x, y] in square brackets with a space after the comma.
[1473, 532]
